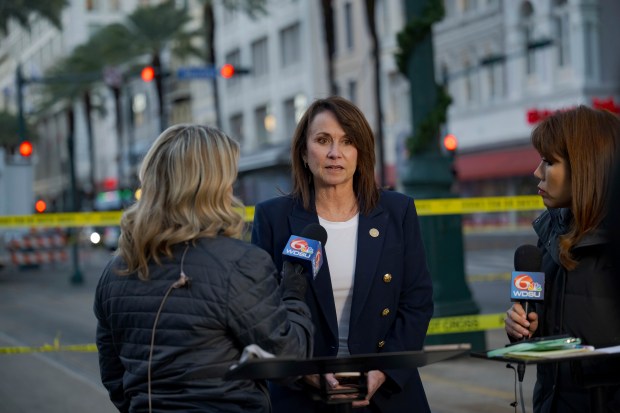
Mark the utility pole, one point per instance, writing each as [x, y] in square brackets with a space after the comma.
[429, 175]
[21, 122]
[76, 277]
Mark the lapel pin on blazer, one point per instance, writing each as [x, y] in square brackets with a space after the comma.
[374, 232]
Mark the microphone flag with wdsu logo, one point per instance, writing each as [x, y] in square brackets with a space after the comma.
[527, 282]
[307, 249]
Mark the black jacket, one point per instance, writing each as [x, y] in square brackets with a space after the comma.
[583, 303]
[233, 300]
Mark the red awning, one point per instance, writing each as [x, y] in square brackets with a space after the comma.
[520, 161]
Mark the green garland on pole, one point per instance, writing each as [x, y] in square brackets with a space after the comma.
[408, 39]
[426, 130]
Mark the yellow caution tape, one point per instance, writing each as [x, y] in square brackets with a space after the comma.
[443, 325]
[465, 324]
[475, 205]
[49, 348]
[501, 276]
[46, 348]
[62, 219]
[424, 207]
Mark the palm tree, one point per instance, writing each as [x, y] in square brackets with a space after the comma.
[376, 53]
[69, 80]
[152, 29]
[252, 8]
[20, 10]
[101, 54]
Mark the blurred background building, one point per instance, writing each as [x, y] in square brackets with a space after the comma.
[506, 64]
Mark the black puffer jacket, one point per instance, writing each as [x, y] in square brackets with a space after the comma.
[233, 300]
[583, 303]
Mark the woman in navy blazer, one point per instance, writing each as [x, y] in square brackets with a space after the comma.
[387, 301]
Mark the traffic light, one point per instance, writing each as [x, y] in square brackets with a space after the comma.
[40, 206]
[25, 149]
[450, 143]
[228, 70]
[148, 73]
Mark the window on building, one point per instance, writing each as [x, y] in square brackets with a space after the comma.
[348, 25]
[491, 81]
[465, 6]
[450, 7]
[293, 111]
[236, 127]
[562, 32]
[181, 111]
[138, 108]
[468, 82]
[92, 5]
[260, 57]
[382, 18]
[260, 125]
[234, 58]
[445, 75]
[527, 30]
[290, 45]
[289, 118]
[591, 58]
[352, 86]
[93, 28]
[115, 5]
[493, 69]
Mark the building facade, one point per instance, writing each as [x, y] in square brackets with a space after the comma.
[506, 63]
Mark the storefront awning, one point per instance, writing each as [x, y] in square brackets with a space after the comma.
[504, 163]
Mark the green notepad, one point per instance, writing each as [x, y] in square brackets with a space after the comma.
[537, 348]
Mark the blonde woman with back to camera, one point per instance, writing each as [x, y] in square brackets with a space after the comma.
[184, 296]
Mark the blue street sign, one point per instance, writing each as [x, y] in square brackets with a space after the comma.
[197, 72]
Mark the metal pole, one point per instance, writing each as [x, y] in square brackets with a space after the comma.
[429, 175]
[21, 122]
[76, 277]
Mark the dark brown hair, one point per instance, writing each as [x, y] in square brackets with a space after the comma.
[588, 141]
[356, 127]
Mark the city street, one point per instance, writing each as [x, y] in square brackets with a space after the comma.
[39, 307]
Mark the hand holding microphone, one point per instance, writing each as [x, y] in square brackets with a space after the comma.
[302, 255]
[527, 286]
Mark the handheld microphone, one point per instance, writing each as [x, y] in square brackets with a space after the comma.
[307, 250]
[528, 282]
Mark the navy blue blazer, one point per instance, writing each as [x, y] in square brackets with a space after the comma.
[392, 293]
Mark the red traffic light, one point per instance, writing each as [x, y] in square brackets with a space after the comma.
[227, 71]
[25, 149]
[40, 206]
[450, 142]
[148, 73]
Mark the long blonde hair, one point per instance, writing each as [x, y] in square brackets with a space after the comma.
[588, 140]
[186, 183]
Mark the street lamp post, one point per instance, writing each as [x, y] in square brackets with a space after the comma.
[429, 175]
